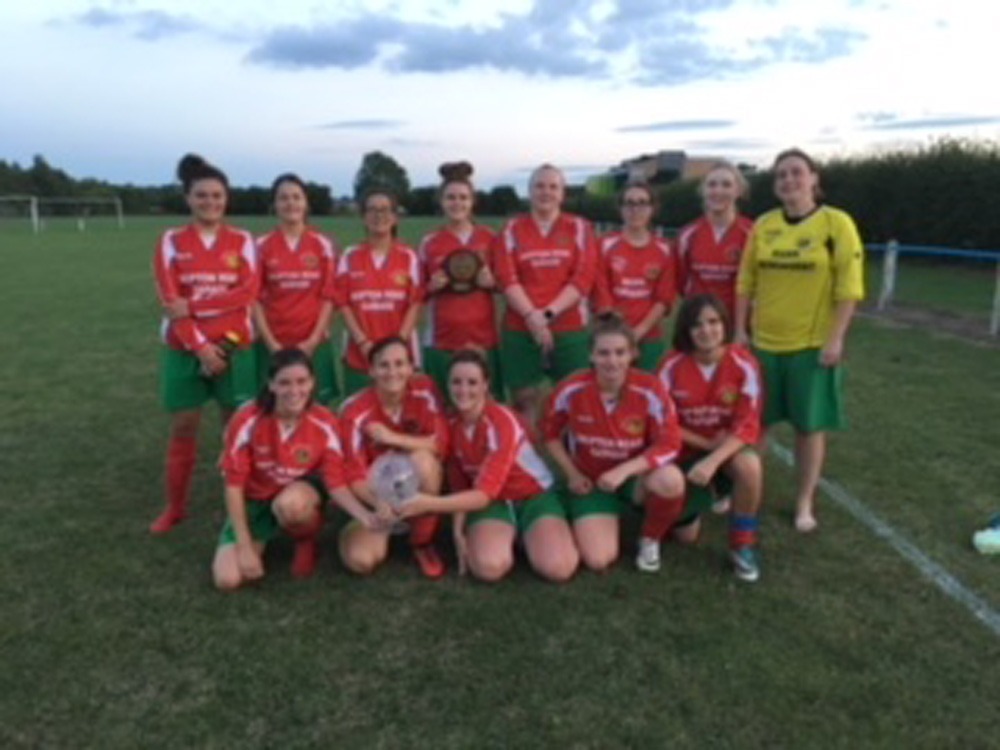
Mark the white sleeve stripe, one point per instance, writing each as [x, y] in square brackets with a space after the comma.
[243, 436]
[332, 441]
[561, 401]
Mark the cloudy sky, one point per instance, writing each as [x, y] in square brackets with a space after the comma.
[119, 89]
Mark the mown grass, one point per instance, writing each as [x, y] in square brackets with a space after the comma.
[110, 638]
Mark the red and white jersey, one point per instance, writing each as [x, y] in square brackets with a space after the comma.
[495, 455]
[378, 291]
[453, 321]
[219, 282]
[632, 279]
[725, 398]
[262, 457]
[709, 265]
[294, 282]
[421, 414]
[600, 436]
[545, 263]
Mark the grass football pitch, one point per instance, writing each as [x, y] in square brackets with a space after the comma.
[112, 639]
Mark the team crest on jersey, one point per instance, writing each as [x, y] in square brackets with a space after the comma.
[618, 264]
[633, 426]
[302, 454]
[400, 278]
[804, 243]
[310, 261]
[729, 396]
[232, 260]
[653, 272]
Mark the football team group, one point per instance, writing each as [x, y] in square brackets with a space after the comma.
[541, 422]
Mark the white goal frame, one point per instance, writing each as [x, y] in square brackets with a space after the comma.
[113, 201]
[32, 201]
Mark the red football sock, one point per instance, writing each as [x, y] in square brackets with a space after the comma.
[182, 454]
[423, 528]
[661, 514]
[304, 559]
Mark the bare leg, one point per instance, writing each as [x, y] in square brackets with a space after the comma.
[550, 548]
[490, 546]
[225, 570]
[810, 451]
[597, 540]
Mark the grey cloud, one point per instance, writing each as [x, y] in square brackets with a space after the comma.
[365, 124]
[957, 121]
[795, 45]
[145, 24]
[671, 125]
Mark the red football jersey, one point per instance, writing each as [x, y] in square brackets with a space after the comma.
[726, 398]
[378, 293]
[495, 455]
[294, 281]
[219, 282]
[545, 263]
[599, 437]
[422, 413]
[452, 320]
[706, 265]
[632, 279]
[262, 458]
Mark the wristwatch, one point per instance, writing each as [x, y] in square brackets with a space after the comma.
[549, 315]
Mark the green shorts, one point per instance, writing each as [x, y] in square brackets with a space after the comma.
[355, 380]
[261, 520]
[697, 499]
[598, 502]
[522, 360]
[650, 354]
[322, 360]
[437, 361]
[183, 387]
[798, 389]
[521, 515]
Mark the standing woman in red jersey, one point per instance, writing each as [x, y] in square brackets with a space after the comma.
[207, 279]
[717, 390]
[709, 248]
[636, 273]
[377, 288]
[460, 312]
[401, 411]
[613, 432]
[297, 266]
[501, 488]
[281, 459]
[545, 263]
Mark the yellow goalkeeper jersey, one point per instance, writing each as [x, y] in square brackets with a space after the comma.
[795, 272]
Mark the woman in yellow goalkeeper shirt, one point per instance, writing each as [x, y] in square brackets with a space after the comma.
[801, 277]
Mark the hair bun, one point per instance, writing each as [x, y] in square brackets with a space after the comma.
[455, 171]
[189, 166]
[610, 316]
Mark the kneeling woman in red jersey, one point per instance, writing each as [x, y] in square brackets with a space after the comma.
[613, 431]
[636, 273]
[207, 280]
[716, 388]
[377, 289]
[297, 265]
[281, 457]
[500, 486]
[401, 411]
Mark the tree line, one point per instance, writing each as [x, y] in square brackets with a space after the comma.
[937, 195]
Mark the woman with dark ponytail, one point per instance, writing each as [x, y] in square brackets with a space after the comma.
[207, 279]
[281, 460]
[457, 261]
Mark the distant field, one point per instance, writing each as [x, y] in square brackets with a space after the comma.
[112, 639]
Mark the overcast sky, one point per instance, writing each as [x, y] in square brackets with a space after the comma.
[119, 89]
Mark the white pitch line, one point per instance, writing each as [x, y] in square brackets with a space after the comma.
[930, 569]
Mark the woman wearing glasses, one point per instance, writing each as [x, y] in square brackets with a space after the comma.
[636, 274]
[377, 288]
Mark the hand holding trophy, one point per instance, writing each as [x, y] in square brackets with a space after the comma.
[462, 267]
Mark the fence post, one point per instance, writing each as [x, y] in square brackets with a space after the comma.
[995, 319]
[888, 275]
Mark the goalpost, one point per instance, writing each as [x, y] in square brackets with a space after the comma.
[64, 206]
[29, 201]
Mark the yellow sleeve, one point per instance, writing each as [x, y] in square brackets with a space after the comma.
[746, 280]
[848, 260]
